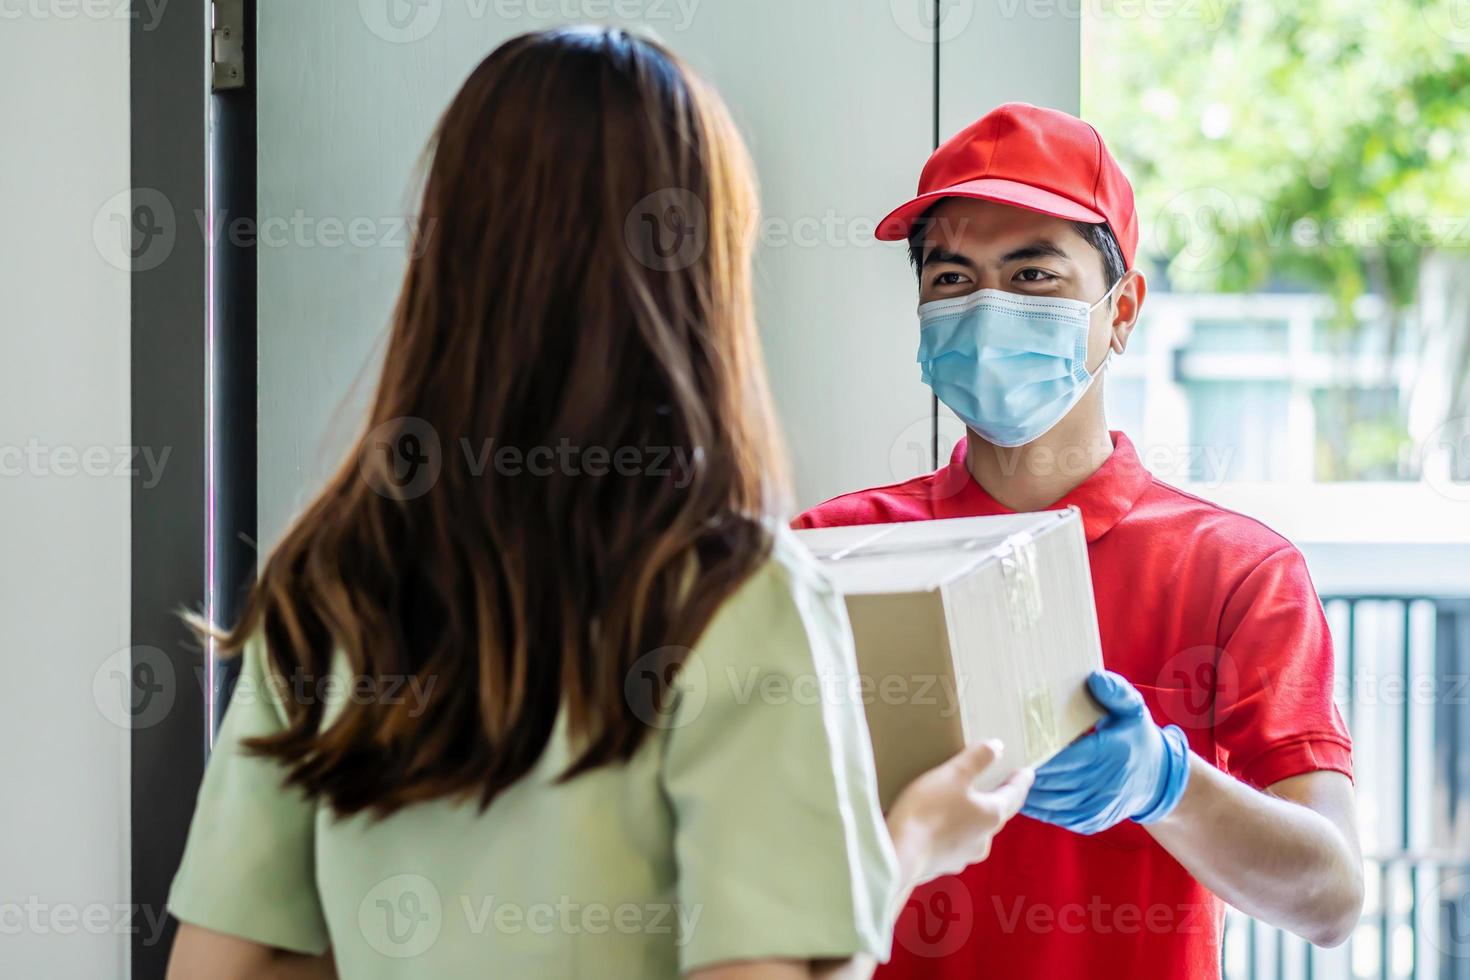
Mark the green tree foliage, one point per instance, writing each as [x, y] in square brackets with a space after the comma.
[1324, 143]
[1319, 145]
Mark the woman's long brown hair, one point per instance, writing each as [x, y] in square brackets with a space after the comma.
[580, 281]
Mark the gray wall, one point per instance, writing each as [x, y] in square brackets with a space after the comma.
[994, 51]
[836, 99]
[64, 518]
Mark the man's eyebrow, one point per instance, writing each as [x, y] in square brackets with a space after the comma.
[944, 255]
[1041, 248]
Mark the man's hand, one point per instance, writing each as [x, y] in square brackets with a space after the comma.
[1128, 768]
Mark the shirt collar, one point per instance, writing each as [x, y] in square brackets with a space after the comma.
[1104, 498]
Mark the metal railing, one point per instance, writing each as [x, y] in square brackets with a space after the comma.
[1403, 686]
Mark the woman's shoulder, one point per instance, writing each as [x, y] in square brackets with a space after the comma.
[785, 616]
[790, 576]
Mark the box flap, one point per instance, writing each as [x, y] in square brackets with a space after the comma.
[919, 556]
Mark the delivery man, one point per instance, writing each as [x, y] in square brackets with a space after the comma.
[1222, 770]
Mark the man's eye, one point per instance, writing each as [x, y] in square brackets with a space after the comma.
[1034, 275]
[949, 279]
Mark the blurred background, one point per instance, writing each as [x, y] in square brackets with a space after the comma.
[1303, 176]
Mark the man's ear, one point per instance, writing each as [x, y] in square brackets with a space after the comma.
[1127, 304]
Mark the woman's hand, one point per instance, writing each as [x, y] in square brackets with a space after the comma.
[941, 824]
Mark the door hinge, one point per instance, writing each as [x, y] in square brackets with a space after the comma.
[227, 37]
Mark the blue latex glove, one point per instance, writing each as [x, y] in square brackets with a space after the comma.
[1128, 768]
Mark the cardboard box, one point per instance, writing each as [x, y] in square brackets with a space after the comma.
[968, 629]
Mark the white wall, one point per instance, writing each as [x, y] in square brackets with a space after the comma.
[64, 555]
[998, 51]
[835, 98]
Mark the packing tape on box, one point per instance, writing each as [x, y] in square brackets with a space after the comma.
[1023, 581]
[1020, 571]
[1040, 725]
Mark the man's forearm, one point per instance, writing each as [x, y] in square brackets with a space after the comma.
[1268, 854]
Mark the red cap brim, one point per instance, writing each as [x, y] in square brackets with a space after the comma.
[900, 221]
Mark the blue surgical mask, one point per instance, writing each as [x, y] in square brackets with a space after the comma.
[1010, 366]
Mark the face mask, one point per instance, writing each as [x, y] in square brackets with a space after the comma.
[1010, 366]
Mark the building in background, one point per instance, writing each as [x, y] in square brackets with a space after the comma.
[1303, 179]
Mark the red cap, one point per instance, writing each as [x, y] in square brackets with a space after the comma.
[1028, 157]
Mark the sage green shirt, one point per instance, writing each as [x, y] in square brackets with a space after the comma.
[746, 827]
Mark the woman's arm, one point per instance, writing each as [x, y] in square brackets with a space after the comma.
[204, 953]
[940, 825]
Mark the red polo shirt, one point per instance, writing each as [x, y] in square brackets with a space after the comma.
[1214, 619]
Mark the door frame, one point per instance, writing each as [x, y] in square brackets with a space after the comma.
[192, 396]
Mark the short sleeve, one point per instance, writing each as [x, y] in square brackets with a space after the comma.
[249, 865]
[1274, 713]
[780, 843]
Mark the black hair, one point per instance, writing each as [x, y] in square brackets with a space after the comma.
[1099, 236]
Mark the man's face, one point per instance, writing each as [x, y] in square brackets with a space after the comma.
[982, 245]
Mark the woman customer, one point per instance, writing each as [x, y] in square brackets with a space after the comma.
[500, 710]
